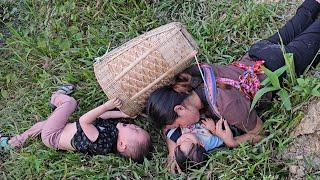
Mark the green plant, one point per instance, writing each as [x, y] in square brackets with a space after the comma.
[306, 87]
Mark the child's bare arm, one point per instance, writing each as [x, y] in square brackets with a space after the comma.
[88, 118]
[114, 114]
[172, 164]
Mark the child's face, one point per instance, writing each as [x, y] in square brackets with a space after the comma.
[187, 141]
[132, 140]
[129, 131]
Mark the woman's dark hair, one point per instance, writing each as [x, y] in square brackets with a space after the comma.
[161, 103]
[196, 155]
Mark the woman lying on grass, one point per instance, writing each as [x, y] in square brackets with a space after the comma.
[226, 91]
[92, 134]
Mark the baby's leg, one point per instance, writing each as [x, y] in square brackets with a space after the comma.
[53, 127]
[34, 131]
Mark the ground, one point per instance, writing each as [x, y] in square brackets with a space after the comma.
[304, 150]
[44, 44]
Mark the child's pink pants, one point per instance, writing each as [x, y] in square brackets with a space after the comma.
[51, 128]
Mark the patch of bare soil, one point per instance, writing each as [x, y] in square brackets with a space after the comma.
[304, 151]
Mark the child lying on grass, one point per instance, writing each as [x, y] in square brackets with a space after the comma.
[195, 141]
[91, 134]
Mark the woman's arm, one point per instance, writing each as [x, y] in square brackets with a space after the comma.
[237, 112]
[88, 118]
[226, 134]
[253, 135]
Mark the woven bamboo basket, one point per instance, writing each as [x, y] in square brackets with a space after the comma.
[134, 70]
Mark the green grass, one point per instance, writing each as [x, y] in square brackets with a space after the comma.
[47, 44]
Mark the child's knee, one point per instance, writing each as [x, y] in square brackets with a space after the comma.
[46, 140]
[51, 140]
[58, 99]
[72, 101]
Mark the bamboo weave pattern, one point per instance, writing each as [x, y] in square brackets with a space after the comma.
[135, 69]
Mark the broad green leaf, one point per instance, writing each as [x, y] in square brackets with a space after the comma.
[316, 91]
[278, 72]
[284, 95]
[288, 57]
[272, 76]
[260, 93]
[301, 82]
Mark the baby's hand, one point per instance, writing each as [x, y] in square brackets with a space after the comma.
[209, 124]
[114, 103]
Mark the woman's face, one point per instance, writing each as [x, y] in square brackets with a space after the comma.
[188, 111]
[187, 116]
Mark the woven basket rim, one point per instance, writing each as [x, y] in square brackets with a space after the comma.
[146, 35]
[165, 34]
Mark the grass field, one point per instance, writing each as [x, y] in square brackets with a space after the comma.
[44, 44]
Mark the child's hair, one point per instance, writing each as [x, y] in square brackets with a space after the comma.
[138, 150]
[195, 156]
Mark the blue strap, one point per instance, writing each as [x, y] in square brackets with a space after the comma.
[211, 88]
[174, 134]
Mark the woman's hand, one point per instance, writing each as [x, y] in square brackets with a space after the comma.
[209, 124]
[226, 134]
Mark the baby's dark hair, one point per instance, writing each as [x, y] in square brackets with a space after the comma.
[140, 150]
[196, 155]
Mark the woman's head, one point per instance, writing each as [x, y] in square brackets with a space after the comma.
[189, 151]
[161, 105]
[174, 105]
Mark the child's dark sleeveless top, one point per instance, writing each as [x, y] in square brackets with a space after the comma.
[105, 143]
